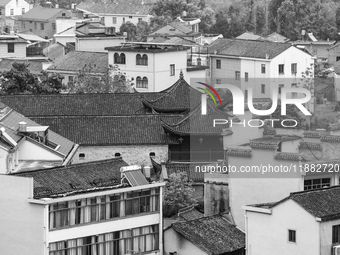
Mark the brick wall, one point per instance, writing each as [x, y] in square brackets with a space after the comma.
[131, 154]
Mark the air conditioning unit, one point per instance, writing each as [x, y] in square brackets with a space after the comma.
[336, 250]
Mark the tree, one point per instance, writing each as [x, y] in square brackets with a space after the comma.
[19, 80]
[112, 81]
[178, 194]
[165, 11]
[143, 29]
[130, 29]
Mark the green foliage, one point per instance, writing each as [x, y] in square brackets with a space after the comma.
[165, 11]
[143, 29]
[112, 81]
[19, 80]
[130, 29]
[178, 194]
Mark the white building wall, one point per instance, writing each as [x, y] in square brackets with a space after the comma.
[176, 242]
[3, 160]
[250, 188]
[19, 51]
[97, 44]
[17, 6]
[268, 234]
[131, 154]
[120, 19]
[22, 223]
[32, 151]
[326, 236]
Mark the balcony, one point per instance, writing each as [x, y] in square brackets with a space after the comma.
[196, 156]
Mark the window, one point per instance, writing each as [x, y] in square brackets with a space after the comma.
[142, 60]
[280, 88]
[145, 83]
[53, 26]
[172, 70]
[152, 154]
[70, 79]
[218, 63]
[23, 11]
[119, 59]
[0, 11]
[141, 240]
[263, 88]
[10, 47]
[246, 94]
[130, 17]
[292, 236]
[138, 82]
[140, 19]
[63, 14]
[123, 20]
[317, 183]
[81, 155]
[281, 69]
[42, 26]
[336, 234]
[11, 12]
[218, 81]
[117, 155]
[114, 20]
[92, 209]
[294, 68]
[246, 77]
[294, 85]
[337, 58]
[237, 75]
[23, 24]
[35, 25]
[263, 68]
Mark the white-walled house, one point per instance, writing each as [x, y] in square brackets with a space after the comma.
[14, 7]
[103, 207]
[12, 46]
[154, 67]
[117, 13]
[258, 65]
[306, 222]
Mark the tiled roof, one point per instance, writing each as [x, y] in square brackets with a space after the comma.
[54, 51]
[12, 119]
[111, 130]
[322, 203]
[288, 156]
[174, 40]
[194, 123]
[156, 166]
[78, 60]
[76, 178]
[109, 104]
[239, 152]
[195, 176]
[35, 67]
[248, 36]
[334, 126]
[265, 143]
[311, 134]
[269, 131]
[330, 139]
[179, 97]
[312, 146]
[214, 234]
[181, 27]
[190, 213]
[3, 3]
[41, 13]
[123, 7]
[275, 37]
[247, 48]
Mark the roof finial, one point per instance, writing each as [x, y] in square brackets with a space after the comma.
[181, 76]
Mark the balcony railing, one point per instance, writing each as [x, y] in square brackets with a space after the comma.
[196, 156]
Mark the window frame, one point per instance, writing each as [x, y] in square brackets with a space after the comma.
[263, 68]
[10, 47]
[218, 64]
[263, 88]
[291, 235]
[336, 234]
[246, 77]
[281, 66]
[42, 26]
[11, 12]
[114, 20]
[172, 70]
[237, 75]
[293, 68]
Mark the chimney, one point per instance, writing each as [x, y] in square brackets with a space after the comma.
[147, 172]
[22, 126]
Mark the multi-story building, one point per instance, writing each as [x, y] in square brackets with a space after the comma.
[41, 21]
[305, 222]
[14, 7]
[12, 46]
[103, 207]
[261, 66]
[153, 66]
[117, 13]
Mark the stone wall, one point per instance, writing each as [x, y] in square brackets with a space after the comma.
[216, 198]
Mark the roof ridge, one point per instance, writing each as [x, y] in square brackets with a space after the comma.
[313, 190]
[69, 166]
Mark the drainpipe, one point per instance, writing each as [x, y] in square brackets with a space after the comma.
[246, 230]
